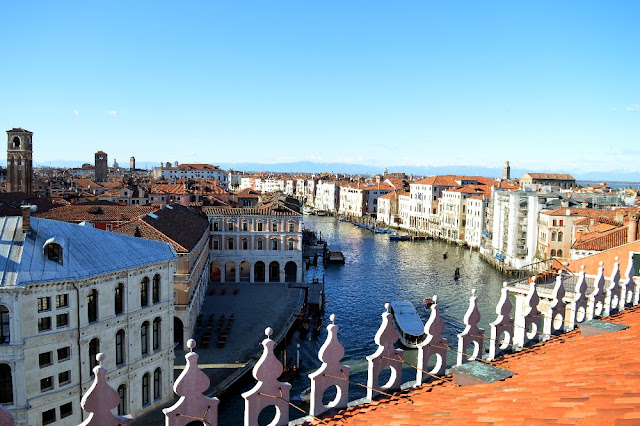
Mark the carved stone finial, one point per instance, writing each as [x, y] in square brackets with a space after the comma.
[385, 356]
[433, 344]
[268, 391]
[503, 324]
[617, 258]
[533, 279]
[332, 318]
[330, 373]
[190, 386]
[100, 399]
[582, 267]
[471, 334]
[387, 306]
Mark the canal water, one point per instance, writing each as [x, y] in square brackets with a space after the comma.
[377, 271]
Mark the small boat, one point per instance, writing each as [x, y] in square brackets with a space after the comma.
[335, 257]
[321, 212]
[456, 274]
[445, 254]
[342, 219]
[407, 323]
[396, 237]
[305, 395]
[307, 210]
[428, 301]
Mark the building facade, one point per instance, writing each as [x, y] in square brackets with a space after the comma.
[72, 292]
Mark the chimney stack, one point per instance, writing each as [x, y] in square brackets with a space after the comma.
[26, 218]
[632, 233]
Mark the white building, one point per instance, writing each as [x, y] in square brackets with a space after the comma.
[515, 226]
[68, 292]
[192, 171]
[255, 245]
[476, 216]
[327, 196]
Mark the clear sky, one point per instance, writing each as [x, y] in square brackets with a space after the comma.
[544, 84]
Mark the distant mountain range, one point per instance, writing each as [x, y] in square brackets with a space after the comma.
[346, 168]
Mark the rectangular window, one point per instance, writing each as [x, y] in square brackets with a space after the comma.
[64, 353]
[109, 227]
[274, 227]
[44, 359]
[49, 416]
[259, 226]
[62, 320]
[216, 245]
[66, 410]
[44, 304]
[216, 226]
[64, 377]
[46, 384]
[230, 226]
[62, 300]
[44, 323]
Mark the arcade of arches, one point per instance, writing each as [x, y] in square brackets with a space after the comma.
[259, 272]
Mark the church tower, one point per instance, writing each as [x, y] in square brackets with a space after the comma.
[506, 173]
[19, 161]
[101, 166]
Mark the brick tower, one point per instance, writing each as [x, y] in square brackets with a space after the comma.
[101, 166]
[19, 161]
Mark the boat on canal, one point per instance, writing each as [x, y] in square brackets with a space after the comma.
[396, 237]
[407, 323]
[335, 257]
[307, 210]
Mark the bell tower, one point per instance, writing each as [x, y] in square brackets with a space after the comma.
[506, 172]
[19, 161]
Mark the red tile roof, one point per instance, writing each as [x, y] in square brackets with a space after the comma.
[96, 213]
[599, 241]
[570, 379]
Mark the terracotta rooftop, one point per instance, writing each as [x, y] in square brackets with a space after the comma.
[557, 176]
[96, 213]
[600, 241]
[178, 225]
[570, 379]
[239, 211]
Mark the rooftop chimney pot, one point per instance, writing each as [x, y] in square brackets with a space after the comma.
[26, 218]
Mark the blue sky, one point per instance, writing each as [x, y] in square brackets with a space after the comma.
[547, 85]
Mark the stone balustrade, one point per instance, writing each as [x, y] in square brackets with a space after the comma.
[539, 314]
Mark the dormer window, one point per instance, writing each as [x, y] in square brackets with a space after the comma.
[52, 250]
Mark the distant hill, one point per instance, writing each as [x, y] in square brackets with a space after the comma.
[346, 168]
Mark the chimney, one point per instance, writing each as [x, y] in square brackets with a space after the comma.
[26, 218]
[568, 212]
[632, 233]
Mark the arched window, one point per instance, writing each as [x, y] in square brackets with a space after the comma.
[260, 226]
[155, 289]
[559, 253]
[291, 227]
[16, 142]
[120, 347]
[290, 244]
[156, 333]
[122, 395]
[230, 226]
[260, 244]
[145, 389]
[119, 298]
[245, 244]
[6, 384]
[5, 334]
[274, 244]
[245, 226]
[94, 349]
[560, 235]
[92, 305]
[230, 244]
[157, 382]
[144, 338]
[553, 253]
[553, 236]
[274, 226]
[144, 291]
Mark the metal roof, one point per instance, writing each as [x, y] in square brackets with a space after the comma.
[86, 252]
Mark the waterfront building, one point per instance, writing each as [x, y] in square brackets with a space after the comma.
[475, 230]
[192, 171]
[405, 208]
[310, 192]
[560, 180]
[19, 160]
[360, 199]
[262, 244]
[101, 166]
[327, 196]
[69, 292]
[187, 230]
[388, 209]
[515, 226]
[452, 209]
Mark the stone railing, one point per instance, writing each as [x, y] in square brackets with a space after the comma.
[539, 313]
